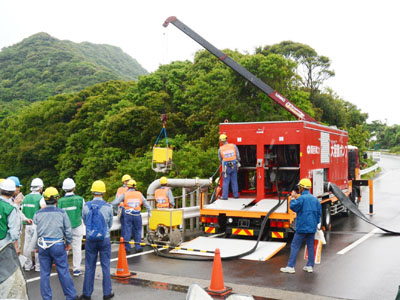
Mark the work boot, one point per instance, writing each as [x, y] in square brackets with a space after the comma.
[109, 296]
[308, 269]
[83, 297]
[288, 270]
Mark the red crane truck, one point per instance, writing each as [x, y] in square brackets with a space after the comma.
[274, 156]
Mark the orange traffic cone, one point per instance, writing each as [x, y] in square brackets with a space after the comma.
[122, 264]
[217, 287]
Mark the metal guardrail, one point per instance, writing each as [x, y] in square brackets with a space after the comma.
[370, 169]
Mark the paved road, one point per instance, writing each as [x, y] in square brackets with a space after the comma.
[367, 271]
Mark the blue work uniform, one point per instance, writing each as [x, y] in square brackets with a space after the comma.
[9, 222]
[122, 189]
[230, 170]
[308, 210]
[54, 232]
[132, 221]
[94, 248]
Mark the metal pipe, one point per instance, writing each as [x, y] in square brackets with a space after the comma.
[176, 182]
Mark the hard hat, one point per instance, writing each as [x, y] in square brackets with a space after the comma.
[163, 180]
[131, 183]
[305, 183]
[98, 187]
[223, 137]
[37, 182]
[51, 195]
[8, 185]
[126, 177]
[16, 180]
[68, 184]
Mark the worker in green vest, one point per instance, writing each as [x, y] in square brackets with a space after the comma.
[73, 205]
[9, 220]
[30, 206]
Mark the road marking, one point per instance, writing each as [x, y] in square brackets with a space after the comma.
[98, 263]
[38, 278]
[358, 242]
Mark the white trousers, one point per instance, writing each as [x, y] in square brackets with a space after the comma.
[76, 245]
[29, 234]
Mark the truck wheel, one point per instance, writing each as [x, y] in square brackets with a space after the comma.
[326, 216]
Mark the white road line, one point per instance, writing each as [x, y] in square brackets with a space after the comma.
[358, 242]
[38, 278]
[98, 263]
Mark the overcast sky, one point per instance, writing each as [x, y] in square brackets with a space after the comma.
[360, 37]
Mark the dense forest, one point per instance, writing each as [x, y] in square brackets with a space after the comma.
[108, 129]
[41, 66]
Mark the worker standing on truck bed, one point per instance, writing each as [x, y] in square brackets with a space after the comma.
[308, 211]
[229, 158]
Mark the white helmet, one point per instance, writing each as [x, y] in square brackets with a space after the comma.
[8, 185]
[68, 184]
[36, 184]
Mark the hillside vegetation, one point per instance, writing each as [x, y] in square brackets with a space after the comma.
[41, 66]
[108, 129]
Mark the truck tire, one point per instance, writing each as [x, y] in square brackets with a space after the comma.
[326, 216]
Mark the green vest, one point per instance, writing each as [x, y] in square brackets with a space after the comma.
[73, 207]
[5, 211]
[31, 205]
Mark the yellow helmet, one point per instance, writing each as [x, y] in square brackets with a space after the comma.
[131, 183]
[163, 180]
[126, 177]
[305, 183]
[98, 187]
[223, 137]
[50, 195]
[2, 179]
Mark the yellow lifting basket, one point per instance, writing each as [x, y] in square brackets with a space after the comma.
[162, 156]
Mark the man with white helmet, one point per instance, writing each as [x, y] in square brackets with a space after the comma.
[30, 206]
[73, 205]
[9, 220]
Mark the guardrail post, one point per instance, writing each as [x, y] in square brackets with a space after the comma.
[183, 206]
[197, 204]
[192, 195]
[371, 197]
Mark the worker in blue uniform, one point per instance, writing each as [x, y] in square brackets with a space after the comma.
[95, 247]
[54, 237]
[308, 210]
[229, 158]
[132, 202]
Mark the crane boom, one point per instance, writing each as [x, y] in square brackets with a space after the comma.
[274, 95]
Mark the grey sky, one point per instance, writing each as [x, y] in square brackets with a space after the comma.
[360, 37]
